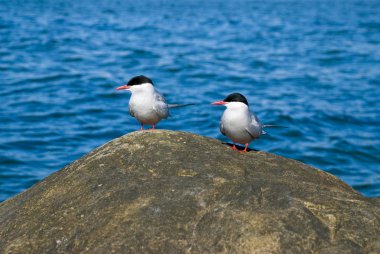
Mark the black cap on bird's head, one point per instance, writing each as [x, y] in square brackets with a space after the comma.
[137, 80]
[234, 97]
[237, 97]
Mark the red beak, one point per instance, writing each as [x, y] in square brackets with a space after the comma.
[219, 103]
[125, 87]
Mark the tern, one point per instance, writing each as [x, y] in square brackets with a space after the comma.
[238, 123]
[146, 104]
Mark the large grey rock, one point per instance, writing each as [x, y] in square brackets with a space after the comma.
[174, 192]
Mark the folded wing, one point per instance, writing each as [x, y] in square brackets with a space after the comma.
[160, 106]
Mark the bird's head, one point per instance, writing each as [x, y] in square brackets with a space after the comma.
[233, 100]
[137, 84]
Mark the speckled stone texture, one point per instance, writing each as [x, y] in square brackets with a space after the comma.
[174, 192]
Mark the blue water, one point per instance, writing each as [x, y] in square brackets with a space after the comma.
[313, 66]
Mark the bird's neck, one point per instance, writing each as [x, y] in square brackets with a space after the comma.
[147, 88]
[143, 90]
[237, 106]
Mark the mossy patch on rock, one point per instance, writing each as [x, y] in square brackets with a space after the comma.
[174, 192]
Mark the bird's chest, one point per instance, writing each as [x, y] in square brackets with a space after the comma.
[141, 102]
[142, 106]
[235, 119]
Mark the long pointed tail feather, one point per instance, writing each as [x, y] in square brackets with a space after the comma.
[179, 105]
[274, 126]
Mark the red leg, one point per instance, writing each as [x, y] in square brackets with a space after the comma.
[153, 127]
[246, 147]
[233, 146]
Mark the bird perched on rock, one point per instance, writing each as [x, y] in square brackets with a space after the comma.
[146, 104]
[238, 123]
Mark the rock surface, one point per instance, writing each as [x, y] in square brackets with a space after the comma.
[174, 192]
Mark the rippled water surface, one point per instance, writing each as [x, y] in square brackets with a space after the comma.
[313, 66]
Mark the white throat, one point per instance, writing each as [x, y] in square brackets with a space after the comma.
[145, 88]
[235, 105]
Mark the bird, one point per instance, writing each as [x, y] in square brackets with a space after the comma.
[237, 122]
[146, 104]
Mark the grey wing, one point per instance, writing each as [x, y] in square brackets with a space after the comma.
[254, 128]
[160, 106]
[221, 127]
[131, 110]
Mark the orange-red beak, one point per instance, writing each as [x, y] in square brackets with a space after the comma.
[219, 103]
[125, 87]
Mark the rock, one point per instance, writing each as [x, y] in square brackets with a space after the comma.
[175, 192]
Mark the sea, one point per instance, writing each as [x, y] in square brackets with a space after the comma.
[312, 66]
